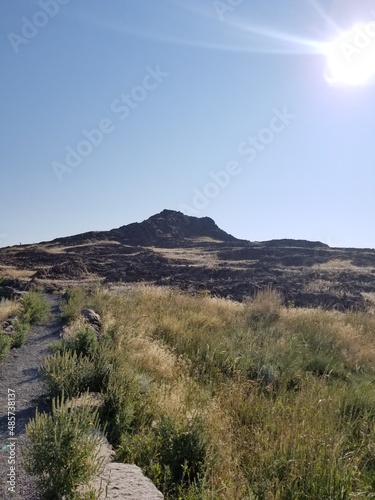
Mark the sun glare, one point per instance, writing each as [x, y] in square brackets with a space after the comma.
[351, 56]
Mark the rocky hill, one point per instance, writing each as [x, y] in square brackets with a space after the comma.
[171, 248]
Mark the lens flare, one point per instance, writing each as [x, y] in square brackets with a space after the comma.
[351, 56]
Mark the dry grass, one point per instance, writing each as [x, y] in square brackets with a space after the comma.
[14, 273]
[370, 296]
[58, 249]
[193, 256]
[153, 357]
[342, 265]
[351, 335]
[8, 308]
[319, 286]
[335, 264]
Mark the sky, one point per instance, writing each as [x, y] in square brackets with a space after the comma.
[257, 114]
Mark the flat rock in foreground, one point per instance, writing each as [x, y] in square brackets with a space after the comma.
[125, 481]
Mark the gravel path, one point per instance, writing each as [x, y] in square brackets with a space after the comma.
[19, 373]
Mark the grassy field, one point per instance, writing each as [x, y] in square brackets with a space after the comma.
[219, 400]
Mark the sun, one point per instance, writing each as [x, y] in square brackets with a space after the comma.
[351, 56]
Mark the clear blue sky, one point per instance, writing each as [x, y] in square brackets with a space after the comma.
[180, 88]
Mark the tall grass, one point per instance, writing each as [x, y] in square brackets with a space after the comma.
[220, 400]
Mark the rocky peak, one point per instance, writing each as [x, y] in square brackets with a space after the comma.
[170, 227]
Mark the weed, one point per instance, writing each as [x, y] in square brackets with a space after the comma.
[5, 345]
[72, 305]
[21, 330]
[35, 308]
[67, 373]
[62, 449]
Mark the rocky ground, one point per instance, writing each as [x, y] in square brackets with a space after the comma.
[194, 254]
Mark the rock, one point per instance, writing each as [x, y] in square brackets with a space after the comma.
[74, 268]
[116, 481]
[10, 293]
[125, 481]
[8, 325]
[91, 317]
[6, 292]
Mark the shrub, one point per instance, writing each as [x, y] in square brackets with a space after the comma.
[265, 307]
[62, 449]
[35, 308]
[99, 353]
[73, 304]
[5, 345]
[172, 455]
[182, 449]
[124, 408]
[104, 360]
[67, 373]
[84, 342]
[21, 330]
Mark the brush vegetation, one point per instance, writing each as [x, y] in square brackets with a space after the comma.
[62, 449]
[33, 308]
[219, 400]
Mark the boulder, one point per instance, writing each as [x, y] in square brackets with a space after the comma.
[91, 317]
[7, 292]
[124, 481]
[10, 293]
[7, 326]
[116, 481]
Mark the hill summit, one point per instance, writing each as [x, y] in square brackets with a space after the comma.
[170, 227]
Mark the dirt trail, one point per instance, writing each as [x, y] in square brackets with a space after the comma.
[19, 372]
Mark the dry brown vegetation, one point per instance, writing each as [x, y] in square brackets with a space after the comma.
[8, 308]
[13, 272]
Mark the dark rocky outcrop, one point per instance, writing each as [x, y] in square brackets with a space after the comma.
[170, 227]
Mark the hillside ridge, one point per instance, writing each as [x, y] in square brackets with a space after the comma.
[194, 254]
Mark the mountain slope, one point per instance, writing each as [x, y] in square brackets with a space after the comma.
[166, 228]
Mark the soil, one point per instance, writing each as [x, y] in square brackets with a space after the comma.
[19, 372]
